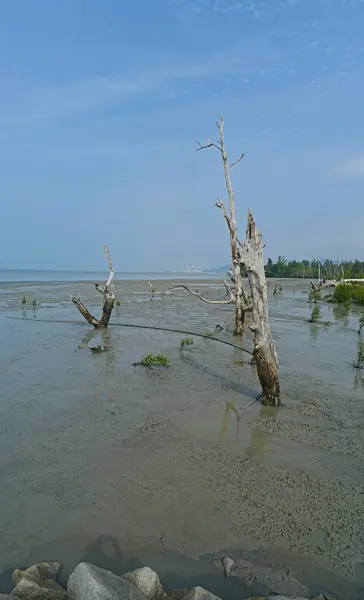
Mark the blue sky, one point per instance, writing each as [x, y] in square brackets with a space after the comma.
[101, 104]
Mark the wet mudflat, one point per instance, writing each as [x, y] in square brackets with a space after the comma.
[99, 460]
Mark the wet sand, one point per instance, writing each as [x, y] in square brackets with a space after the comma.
[99, 459]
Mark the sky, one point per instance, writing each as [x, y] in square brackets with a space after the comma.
[101, 104]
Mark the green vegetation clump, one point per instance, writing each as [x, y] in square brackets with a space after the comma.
[314, 295]
[360, 356]
[208, 334]
[345, 293]
[188, 341]
[35, 304]
[117, 303]
[155, 360]
[315, 314]
[23, 300]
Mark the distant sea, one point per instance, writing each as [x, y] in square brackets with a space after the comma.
[15, 275]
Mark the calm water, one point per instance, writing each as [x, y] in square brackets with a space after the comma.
[99, 459]
[16, 275]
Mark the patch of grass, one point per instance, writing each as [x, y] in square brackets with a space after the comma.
[315, 314]
[35, 303]
[188, 341]
[117, 303]
[359, 364]
[155, 360]
[208, 334]
[23, 300]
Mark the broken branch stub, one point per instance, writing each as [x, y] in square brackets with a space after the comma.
[109, 297]
[264, 350]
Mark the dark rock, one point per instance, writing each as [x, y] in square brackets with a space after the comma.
[199, 593]
[38, 583]
[88, 582]
[147, 581]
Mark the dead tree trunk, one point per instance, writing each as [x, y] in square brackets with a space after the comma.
[109, 297]
[264, 348]
[240, 297]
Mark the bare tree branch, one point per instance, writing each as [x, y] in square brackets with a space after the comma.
[209, 144]
[99, 288]
[237, 161]
[220, 204]
[231, 300]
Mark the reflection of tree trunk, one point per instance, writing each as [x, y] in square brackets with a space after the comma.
[260, 438]
[109, 297]
[229, 407]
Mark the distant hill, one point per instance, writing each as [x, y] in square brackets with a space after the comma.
[218, 269]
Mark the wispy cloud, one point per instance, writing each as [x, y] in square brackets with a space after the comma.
[168, 81]
[353, 168]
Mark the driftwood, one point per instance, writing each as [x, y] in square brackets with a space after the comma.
[109, 297]
[264, 351]
[241, 301]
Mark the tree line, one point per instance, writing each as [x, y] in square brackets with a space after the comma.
[325, 269]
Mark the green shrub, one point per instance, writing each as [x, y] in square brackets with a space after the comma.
[152, 360]
[117, 303]
[315, 314]
[188, 341]
[349, 292]
[34, 303]
[314, 295]
[23, 300]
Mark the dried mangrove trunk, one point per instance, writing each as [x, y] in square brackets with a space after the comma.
[264, 349]
[109, 297]
[241, 300]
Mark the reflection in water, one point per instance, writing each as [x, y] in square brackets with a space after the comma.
[359, 379]
[103, 338]
[229, 407]
[259, 440]
[340, 313]
[314, 331]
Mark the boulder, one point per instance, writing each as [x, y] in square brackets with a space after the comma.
[199, 593]
[147, 581]
[38, 583]
[88, 582]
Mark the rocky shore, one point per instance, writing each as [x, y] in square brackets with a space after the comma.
[88, 582]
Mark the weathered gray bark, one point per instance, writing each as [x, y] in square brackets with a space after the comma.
[109, 297]
[264, 349]
[241, 301]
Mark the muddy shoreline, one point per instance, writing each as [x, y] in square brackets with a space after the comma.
[99, 459]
